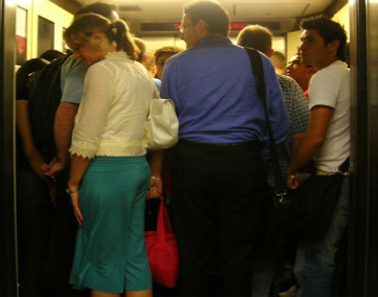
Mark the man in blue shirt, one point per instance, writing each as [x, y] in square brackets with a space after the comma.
[218, 173]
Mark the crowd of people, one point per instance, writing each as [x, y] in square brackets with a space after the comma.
[93, 192]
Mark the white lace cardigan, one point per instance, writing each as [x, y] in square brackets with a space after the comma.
[111, 120]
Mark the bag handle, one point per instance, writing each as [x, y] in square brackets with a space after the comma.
[163, 223]
[258, 71]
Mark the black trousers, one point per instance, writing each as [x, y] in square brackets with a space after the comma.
[34, 210]
[217, 195]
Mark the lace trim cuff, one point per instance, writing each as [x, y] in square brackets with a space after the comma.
[111, 149]
[82, 152]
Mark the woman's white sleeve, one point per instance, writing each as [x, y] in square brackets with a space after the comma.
[93, 112]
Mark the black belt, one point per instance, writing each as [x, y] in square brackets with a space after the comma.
[247, 143]
[234, 144]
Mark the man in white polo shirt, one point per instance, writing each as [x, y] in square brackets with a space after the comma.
[327, 141]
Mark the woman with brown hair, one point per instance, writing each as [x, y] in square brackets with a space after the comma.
[108, 164]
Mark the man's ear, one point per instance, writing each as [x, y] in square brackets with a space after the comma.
[333, 46]
[271, 52]
[310, 71]
[202, 26]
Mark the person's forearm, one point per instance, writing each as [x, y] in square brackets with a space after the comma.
[313, 139]
[64, 124]
[156, 163]
[78, 167]
[304, 153]
[295, 141]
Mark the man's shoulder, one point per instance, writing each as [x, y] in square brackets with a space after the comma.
[331, 77]
[291, 91]
[200, 51]
[288, 84]
[72, 80]
[328, 84]
[336, 69]
[285, 80]
[73, 65]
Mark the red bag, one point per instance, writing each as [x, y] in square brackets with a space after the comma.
[162, 250]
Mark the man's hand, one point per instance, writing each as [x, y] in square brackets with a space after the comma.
[54, 166]
[291, 182]
[46, 167]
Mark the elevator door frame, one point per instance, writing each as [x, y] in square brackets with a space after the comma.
[362, 269]
[363, 231]
[8, 260]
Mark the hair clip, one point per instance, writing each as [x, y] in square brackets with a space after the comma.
[113, 28]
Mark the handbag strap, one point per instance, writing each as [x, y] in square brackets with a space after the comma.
[258, 71]
[163, 223]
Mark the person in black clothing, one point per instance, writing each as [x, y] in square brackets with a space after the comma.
[35, 192]
[51, 55]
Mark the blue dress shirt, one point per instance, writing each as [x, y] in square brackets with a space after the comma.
[157, 83]
[216, 99]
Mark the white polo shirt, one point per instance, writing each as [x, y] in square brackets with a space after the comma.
[331, 87]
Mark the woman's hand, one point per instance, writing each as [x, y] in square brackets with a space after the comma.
[76, 208]
[156, 186]
[79, 166]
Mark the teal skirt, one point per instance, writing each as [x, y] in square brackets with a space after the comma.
[110, 253]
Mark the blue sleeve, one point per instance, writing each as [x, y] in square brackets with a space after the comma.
[167, 85]
[72, 80]
[276, 107]
[164, 87]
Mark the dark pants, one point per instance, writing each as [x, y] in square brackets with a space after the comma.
[34, 209]
[268, 266]
[217, 199]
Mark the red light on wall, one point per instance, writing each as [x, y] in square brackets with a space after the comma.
[237, 26]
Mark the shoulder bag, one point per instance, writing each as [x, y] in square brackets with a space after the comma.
[275, 217]
[163, 124]
[314, 203]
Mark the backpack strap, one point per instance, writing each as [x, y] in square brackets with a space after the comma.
[258, 71]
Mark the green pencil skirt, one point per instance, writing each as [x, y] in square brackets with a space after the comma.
[110, 253]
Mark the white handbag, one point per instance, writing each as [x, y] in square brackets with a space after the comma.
[163, 125]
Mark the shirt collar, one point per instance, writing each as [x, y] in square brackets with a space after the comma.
[215, 39]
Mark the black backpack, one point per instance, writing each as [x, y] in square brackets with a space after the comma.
[44, 98]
